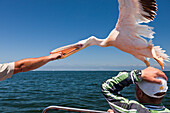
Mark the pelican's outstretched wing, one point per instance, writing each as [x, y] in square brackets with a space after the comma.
[134, 12]
[131, 14]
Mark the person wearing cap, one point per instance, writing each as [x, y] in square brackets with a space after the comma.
[9, 69]
[150, 89]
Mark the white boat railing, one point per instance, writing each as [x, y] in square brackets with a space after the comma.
[71, 109]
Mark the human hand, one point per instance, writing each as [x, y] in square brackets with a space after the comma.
[110, 111]
[150, 73]
[55, 56]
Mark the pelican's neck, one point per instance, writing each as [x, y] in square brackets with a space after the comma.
[96, 41]
[92, 41]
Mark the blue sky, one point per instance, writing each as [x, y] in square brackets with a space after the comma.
[33, 28]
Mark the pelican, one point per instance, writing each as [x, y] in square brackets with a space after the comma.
[129, 34]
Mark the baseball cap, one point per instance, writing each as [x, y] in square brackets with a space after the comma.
[151, 89]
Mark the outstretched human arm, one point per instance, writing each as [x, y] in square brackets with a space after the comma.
[8, 69]
[112, 87]
[34, 63]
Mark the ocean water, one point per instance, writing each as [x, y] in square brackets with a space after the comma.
[31, 92]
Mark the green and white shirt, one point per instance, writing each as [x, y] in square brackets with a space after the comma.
[111, 90]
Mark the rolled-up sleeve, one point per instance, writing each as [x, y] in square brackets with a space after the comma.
[6, 70]
[111, 90]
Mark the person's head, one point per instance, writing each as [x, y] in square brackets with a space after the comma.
[151, 93]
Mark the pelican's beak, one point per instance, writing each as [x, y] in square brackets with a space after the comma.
[68, 50]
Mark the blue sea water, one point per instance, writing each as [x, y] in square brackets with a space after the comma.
[31, 92]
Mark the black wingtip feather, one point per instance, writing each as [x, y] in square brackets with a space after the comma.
[150, 7]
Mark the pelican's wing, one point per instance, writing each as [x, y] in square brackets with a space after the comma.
[134, 12]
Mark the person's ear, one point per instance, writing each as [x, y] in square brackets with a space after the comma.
[141, 94]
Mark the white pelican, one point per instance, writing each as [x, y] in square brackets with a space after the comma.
[128, 33]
